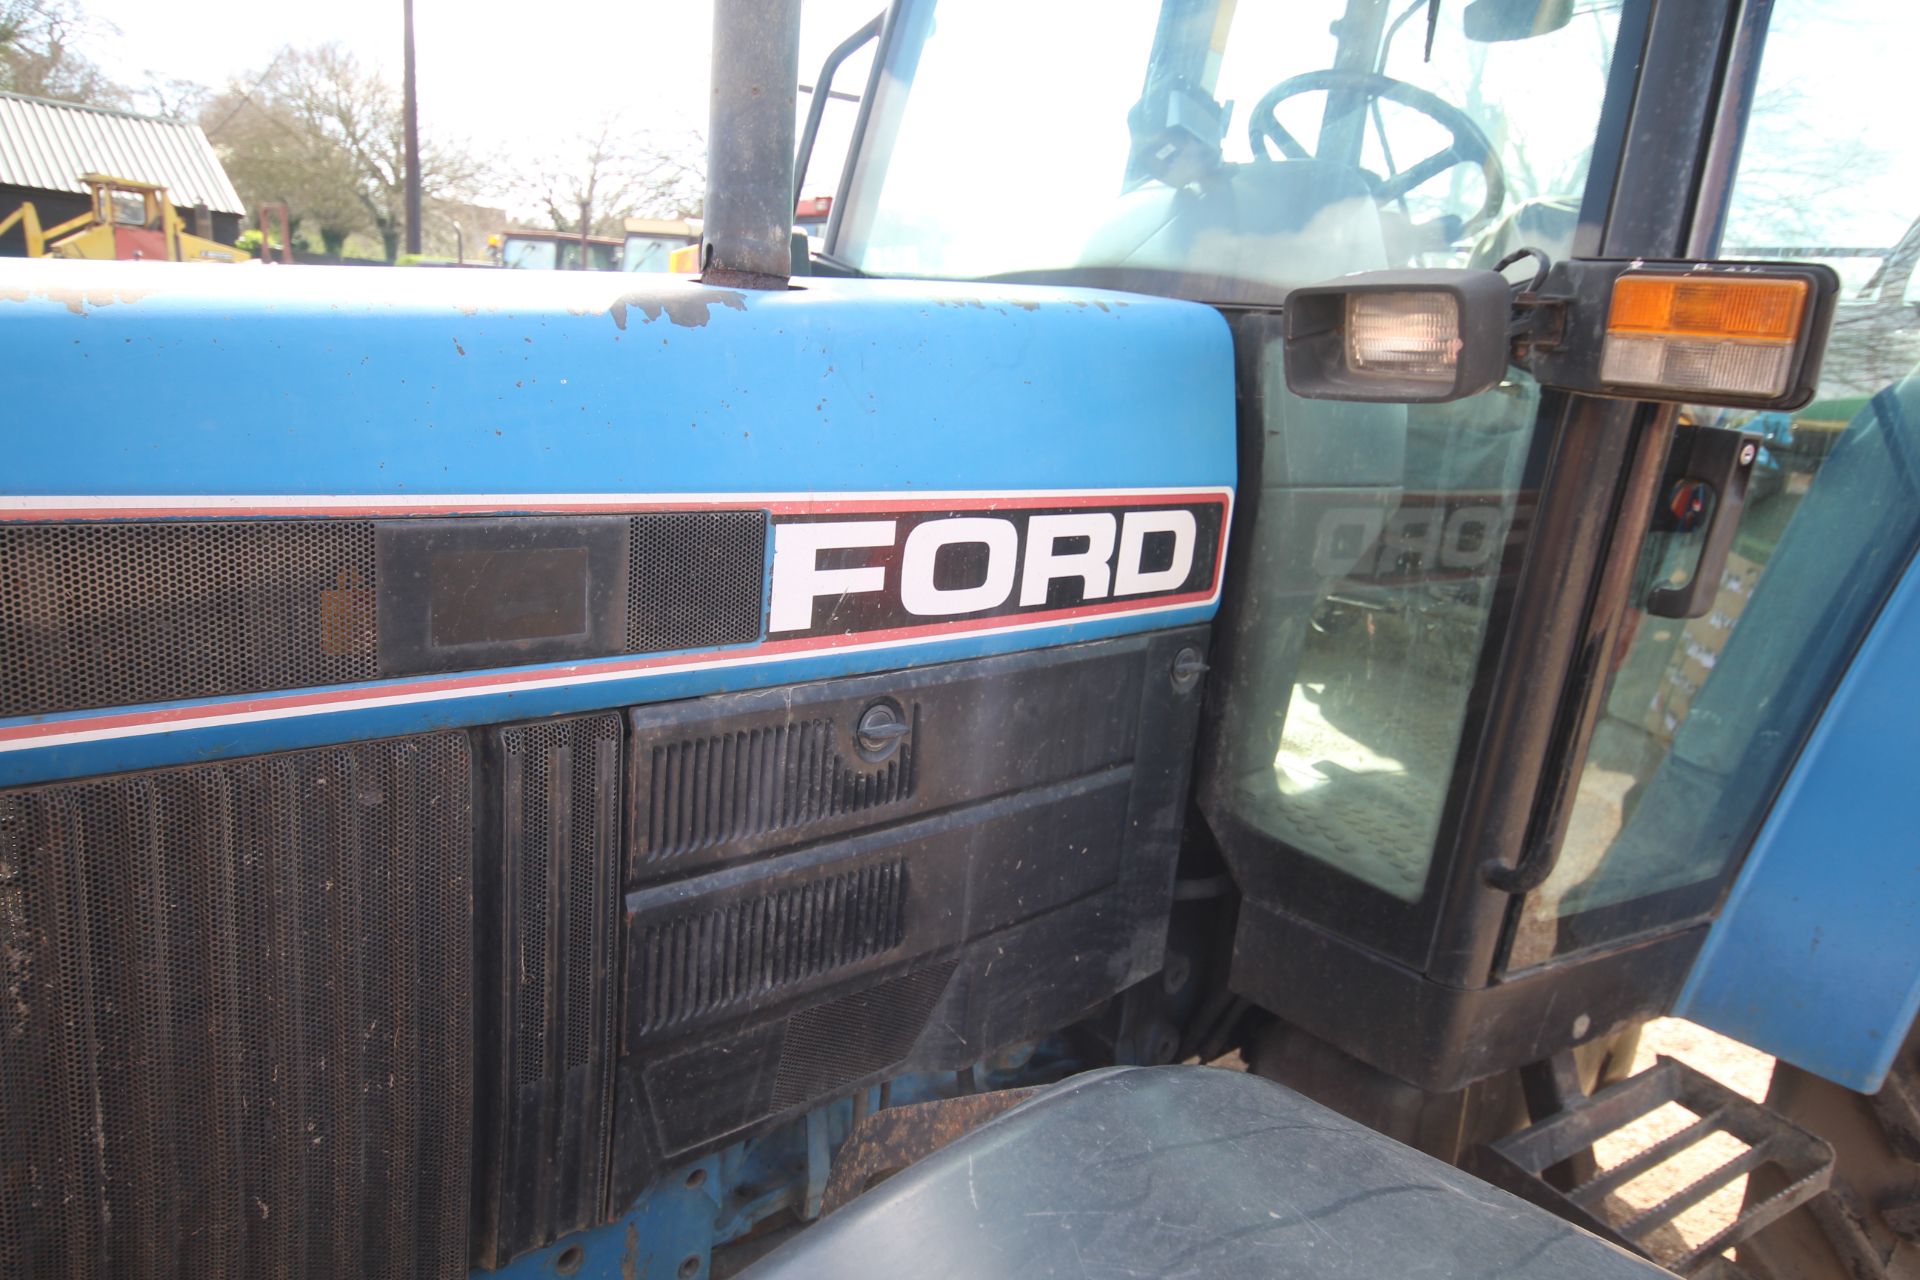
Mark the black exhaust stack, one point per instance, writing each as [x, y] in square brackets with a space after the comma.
[749, 213]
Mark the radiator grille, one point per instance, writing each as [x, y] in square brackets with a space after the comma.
[116, 614]
[706, 792]
[567, 851]
[235, 1018]
[542, 1171]
[695, 579]
[697, 964]
[831, 1045]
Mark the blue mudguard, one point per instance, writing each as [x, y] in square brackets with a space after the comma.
[1816, 956]
[159, 391]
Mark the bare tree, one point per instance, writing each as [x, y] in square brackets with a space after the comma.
[170, 96]
[1796, 167]
[272, 154]
[323, 132]
[612, 173]
[39, 53]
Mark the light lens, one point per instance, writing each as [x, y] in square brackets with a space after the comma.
[1404, 334]
[1697, 366]
[1708, 306]
[1704, 335]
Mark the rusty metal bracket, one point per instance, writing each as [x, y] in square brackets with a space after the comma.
[888, 1141]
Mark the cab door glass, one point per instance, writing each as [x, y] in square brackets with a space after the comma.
[1703, 717]
[1243, 150]
[1382, 532]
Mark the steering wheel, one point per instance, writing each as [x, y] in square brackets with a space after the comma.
[1467, 144]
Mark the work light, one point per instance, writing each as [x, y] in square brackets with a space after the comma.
[1405, 336]
[1415, 334]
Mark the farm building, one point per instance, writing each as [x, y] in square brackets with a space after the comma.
[46, 146]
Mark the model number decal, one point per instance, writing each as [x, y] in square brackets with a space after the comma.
[882, 571]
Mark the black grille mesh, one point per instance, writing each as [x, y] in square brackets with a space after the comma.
[113, 615]
[695, 964]
[234, 1019]
[568, 855]
[109, 615]
[695, 579]
[543, 1173]
[831, 1045]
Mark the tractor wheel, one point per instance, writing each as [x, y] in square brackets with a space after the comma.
[1867, 1226]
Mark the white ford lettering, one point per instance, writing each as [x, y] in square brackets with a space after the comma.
[1129, 579]
[895, 573]
[798, 579]
[917, 590]
[1045, 565]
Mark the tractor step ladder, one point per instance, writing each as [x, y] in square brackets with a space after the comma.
[1551, 1161]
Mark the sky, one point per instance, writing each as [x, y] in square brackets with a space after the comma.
[513, 81]
[507, 80]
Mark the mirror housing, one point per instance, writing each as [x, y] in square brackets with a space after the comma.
[1498, 21]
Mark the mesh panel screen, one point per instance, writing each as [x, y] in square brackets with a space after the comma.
[235, 1031]
[542, 1167]
[112, 615]
[695, 580]
[833, 1044]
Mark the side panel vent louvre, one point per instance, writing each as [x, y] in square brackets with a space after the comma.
[687, 967]
[706, 792]
[542, 1161]
[834, 1044]
[235, 1037]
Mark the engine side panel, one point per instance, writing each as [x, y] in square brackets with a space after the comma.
[349, 403]
[1003, 869]
[631, 562]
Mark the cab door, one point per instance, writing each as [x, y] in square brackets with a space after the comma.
[1484, 792]
[1700, 721]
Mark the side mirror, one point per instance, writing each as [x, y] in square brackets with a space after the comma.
[1498, 21]
[1744, 335]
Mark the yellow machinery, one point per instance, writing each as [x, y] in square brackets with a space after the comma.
[129, 220]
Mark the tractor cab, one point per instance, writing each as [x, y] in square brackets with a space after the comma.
[538, 249]
[652, 242]
[135, 221]
[135, 213]
[1408, 586]
[1391, 565]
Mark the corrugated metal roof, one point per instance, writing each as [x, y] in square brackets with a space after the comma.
[50, 144]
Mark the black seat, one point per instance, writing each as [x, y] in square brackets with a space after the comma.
[1188, 1171]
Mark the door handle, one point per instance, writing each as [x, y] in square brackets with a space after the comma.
[1704, 461]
